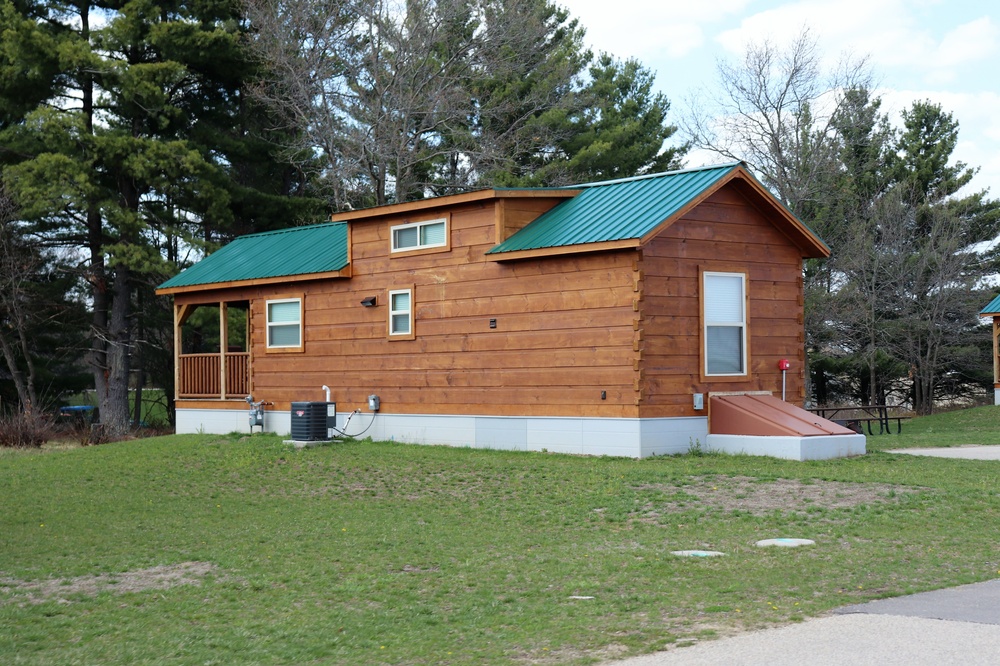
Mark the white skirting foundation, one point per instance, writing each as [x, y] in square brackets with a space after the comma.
[822, 447]
[631, 438]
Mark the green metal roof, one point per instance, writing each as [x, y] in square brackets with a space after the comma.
[318, 248]
[992, 308]
[615, 210]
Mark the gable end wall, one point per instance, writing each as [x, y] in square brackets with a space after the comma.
[724, 233]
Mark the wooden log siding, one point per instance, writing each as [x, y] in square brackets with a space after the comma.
[564, 331]
[724, 233]
[626, 322]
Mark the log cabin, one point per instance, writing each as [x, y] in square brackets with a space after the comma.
[602, 319]
[992, 310]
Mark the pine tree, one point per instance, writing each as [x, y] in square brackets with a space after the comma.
[619, 130]
[131, 143]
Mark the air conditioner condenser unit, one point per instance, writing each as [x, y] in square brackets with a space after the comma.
[311, 421]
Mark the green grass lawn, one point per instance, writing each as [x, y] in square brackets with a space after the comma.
[963, 427]
[239, 550]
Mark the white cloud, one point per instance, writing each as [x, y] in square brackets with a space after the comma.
[648, 29]
[675, 40]
[888, 31]
[970, 42]
[882, 28]
[941, 50]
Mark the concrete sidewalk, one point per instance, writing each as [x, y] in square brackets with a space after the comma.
[963, 452]
[959, 625]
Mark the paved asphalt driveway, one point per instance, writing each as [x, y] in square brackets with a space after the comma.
[959, 625]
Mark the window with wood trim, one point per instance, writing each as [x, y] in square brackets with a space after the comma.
[401, 313]
[420, 235]
[724, 323]
[284, 323]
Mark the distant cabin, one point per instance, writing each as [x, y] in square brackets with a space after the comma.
[992, 310]
[595, 319]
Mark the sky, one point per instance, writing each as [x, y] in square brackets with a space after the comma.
[945, 51]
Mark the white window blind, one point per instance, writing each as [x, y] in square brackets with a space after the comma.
[432, 234]
[723, 299]
[405, 238]
[725, 350]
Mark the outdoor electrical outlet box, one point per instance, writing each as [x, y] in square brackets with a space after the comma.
[331, 416]
[699, 401]
[373, 403]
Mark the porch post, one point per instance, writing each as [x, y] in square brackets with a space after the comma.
[249, 349]
[223, 348]
[177, 351]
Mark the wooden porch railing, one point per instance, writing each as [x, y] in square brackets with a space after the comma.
[237, 374]
[200, 375]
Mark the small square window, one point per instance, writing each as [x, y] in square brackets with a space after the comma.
[284, 323]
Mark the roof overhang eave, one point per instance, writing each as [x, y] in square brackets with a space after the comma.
[601, 246]
[416, 207]
[254, 282]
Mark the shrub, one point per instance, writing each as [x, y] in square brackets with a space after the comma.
[19, 429]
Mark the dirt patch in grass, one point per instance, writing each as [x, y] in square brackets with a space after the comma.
[744, 493]
[143, 580]
[381, 484]
[545, 656]
[409, 568]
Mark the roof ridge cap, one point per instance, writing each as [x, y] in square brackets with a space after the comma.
[287, 230]
[662, 174]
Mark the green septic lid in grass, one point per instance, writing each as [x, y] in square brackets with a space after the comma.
[696, 553]
[785, 543]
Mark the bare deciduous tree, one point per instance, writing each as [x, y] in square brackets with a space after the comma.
[775, 110]
[897, 300]
[18, 263]
[388, 92]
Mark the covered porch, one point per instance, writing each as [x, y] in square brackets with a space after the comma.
[211, 349]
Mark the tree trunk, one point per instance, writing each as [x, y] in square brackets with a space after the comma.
[140, 375]
[17, 375]
[923, 393]
[872, 381]
[114, 398]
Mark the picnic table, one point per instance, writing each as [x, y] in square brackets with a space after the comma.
[863, 416]
[79, 413]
